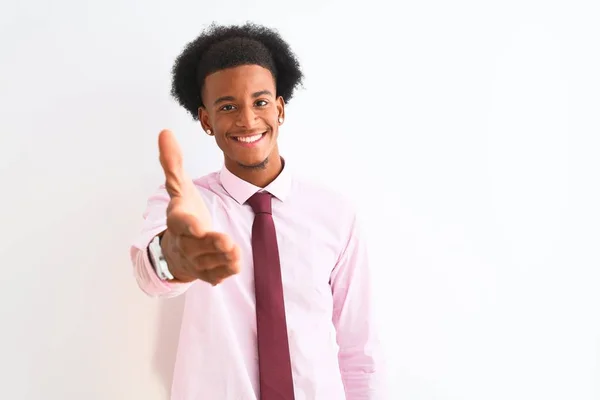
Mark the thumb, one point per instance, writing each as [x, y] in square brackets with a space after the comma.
[171, 161]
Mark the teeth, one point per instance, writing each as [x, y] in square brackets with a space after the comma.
[249, 139]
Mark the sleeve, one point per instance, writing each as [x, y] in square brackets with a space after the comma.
[155, 222]
[360, 354]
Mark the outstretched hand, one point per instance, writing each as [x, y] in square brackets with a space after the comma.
[192, 249]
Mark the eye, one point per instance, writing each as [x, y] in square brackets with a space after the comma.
[227, 107]
[261, 103]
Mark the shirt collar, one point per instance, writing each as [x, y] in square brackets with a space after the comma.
[241, 190]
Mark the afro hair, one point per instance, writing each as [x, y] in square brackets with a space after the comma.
[221, 47]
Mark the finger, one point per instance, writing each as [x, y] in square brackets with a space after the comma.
[234, 257]
[209, 261]
[207, 242]
[171, 161]
[210, 276]
[193, 244]
[226, 270]
[222, 242]
[216, 275]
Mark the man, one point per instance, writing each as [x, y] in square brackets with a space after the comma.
[274, 268]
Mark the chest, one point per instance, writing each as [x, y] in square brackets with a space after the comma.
[308, 248]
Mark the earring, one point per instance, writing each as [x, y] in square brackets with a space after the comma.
[209, 132]
[281, 120]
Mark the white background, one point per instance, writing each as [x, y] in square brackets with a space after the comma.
[466, 131]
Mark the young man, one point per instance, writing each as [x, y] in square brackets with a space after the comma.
[274, 268]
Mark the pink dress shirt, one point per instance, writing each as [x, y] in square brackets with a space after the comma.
[334, 351]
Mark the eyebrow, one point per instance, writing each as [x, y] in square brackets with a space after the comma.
[262, 93]
[231, 98]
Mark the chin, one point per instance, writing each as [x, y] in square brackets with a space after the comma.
[254, 163]
[251, 157]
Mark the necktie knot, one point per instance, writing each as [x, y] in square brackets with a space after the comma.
[260, 202]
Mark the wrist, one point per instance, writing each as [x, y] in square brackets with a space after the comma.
[158, 260]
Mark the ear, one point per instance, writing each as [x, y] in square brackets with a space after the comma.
[280, 108]
[203, 118]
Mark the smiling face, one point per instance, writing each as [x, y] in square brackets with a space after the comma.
[242, 111]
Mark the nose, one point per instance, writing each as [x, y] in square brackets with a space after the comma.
[246, 118]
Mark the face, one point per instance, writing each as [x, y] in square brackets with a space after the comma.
[241, 110]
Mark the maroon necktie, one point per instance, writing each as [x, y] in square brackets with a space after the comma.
[273, 350]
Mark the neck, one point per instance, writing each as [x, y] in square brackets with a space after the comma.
[259, 176]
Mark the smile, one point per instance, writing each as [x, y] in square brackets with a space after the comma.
[249, 141]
